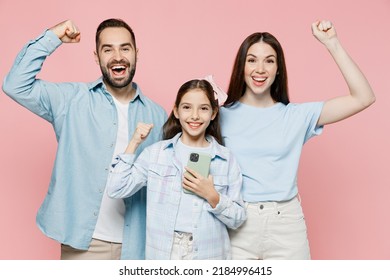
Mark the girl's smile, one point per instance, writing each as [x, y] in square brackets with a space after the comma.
[194, 114]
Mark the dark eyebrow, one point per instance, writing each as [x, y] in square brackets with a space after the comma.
[268, 56]
[250, 55]
[188, 103]
[111, 45]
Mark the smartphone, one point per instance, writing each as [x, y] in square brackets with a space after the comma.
[200, 163]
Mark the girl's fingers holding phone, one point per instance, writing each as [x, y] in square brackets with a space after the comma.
[193, 173]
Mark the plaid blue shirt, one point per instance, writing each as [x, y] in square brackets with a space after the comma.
[159, 168]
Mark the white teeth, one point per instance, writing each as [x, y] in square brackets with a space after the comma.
[259, 79]
[118, 68]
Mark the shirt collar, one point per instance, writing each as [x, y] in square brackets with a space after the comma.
[99, 84]
[217, 150]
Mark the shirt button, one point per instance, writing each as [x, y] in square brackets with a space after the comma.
[95, 214]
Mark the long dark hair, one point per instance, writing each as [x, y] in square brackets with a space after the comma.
[237, 86]
[172, 125]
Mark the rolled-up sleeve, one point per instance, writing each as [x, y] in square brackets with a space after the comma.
[127, 175]
[231, 209]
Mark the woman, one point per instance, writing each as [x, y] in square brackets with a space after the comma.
[266, 134]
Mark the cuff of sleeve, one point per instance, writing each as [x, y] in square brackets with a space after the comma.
[127, 158]
[221, 206]
[318, 129]
[122, 163]
[50, 41]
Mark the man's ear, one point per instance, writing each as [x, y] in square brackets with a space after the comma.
[96, 57]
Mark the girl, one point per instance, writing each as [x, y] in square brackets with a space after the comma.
[266, 134]
[184, 225]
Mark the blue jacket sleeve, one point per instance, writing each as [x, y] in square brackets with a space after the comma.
[231, 209]
[127, 176]
[43, 98]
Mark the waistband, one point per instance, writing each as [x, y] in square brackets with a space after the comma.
[268, 205]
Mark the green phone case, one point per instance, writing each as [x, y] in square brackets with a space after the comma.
[200, 163]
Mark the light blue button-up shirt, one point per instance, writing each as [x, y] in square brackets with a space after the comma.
[159, 168]
[84, 119]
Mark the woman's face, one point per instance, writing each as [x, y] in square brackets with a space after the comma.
[260, 70]
[194, 114]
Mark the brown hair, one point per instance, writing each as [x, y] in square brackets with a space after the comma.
[172, 125]
[237, 86]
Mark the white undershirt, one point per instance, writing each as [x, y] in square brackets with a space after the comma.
[184, 216]
[109, 226]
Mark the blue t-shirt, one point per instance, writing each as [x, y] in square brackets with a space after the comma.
[267, 143]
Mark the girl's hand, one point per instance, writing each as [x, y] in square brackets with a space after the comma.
[201, 186]
[140, 134]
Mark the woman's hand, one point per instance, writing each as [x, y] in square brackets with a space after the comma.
[324, 31]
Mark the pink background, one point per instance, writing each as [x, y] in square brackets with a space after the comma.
[344, 174]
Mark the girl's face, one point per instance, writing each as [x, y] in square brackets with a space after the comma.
[194, 114]
[260, 70]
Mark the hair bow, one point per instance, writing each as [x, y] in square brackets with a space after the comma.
[219, 94]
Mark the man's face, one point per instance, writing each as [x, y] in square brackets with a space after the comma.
[117, 56]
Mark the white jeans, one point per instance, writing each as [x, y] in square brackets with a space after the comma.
[273, 230]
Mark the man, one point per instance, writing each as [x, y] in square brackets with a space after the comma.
[92, 122]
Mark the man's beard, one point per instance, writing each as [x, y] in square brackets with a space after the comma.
[117, 84]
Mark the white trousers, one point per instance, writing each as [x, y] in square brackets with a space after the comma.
[272, 231]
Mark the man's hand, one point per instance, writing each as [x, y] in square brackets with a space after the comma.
[67, 32]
